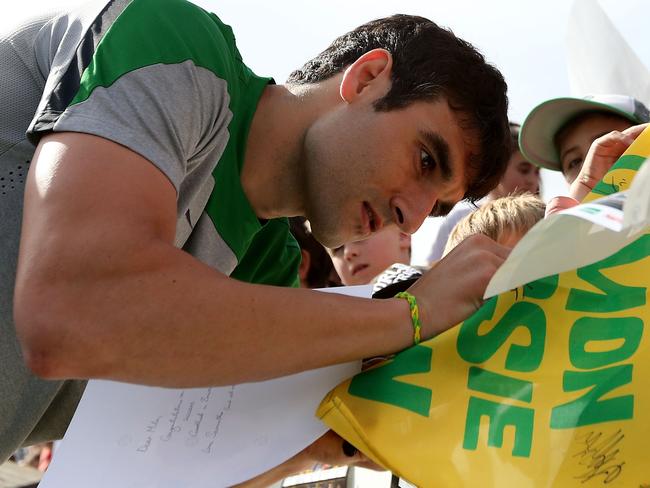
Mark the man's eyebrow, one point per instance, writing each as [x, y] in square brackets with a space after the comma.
[440, 148]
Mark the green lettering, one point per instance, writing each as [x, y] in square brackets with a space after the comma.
[500, 416]
[476, 348]
[486, 381]
[589, 329]
[378, 384]
[542, 288]
[589, 409]
[630, 161]
[614, 296]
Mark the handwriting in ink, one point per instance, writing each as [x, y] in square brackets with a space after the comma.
[144, 447]
[599, 456]
[150, 429]
[173, 420]
[188, 414]
[231, 393]
[153, 425]
[196, 424]
[206, 398]
[213, 433]
[208, 449]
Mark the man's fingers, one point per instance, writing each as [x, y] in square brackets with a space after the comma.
[484, 243]
[501, 251]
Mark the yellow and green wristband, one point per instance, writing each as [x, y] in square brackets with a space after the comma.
[415, 314]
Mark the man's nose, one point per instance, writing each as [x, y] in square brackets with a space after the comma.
[409, 214]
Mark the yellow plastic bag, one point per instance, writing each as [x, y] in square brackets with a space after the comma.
[546, 385]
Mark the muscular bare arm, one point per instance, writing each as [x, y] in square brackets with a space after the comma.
[101, 291]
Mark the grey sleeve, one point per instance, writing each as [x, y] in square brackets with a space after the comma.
[175, 115]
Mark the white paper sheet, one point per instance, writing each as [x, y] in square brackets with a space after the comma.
[128, 436]
[577, 237]
[599, 59]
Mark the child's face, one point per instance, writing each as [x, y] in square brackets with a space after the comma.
[520, 176]
[357, 263]
[574, 143]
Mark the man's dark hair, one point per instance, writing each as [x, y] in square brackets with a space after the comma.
[430, 62]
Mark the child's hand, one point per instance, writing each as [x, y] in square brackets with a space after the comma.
[328, 449]
[602, 155]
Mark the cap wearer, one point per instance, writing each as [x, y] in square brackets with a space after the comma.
[537, 135]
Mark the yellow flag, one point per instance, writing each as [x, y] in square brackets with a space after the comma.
[546, 385]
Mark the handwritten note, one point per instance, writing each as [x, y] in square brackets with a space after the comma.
[195, 419]
[136, 436]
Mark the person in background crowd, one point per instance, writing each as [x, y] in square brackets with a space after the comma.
[507, 219]
[316, 269]
[520, 176]
[359, 262]
[504, 220]
[558, 133]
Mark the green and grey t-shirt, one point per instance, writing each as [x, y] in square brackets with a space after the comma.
[165, 79]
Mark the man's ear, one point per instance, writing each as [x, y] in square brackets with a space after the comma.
[368, 75]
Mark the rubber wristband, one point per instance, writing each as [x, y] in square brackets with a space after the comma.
[415, 314]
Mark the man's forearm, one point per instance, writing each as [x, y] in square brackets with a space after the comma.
[101, 292]
[164, 318]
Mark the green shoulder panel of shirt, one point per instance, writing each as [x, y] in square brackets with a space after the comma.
[274, 243]
[149, 32]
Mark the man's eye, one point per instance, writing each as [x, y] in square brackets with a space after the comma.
[427, 162]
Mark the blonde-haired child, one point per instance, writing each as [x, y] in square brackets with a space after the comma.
[504, 220]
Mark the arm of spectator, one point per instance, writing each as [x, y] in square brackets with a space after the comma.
[328, 450]
[101, 291]
[602, 155]
[557, 204]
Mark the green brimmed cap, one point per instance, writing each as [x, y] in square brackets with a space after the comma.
[537, 134]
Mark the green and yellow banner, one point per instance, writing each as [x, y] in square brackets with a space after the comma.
[546, 385]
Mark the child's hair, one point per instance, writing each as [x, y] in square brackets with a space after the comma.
[496, 218]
